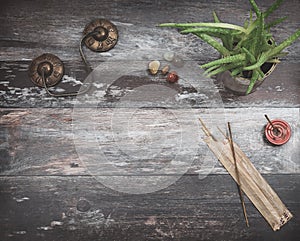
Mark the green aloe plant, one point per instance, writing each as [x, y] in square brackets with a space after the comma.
[243, 48]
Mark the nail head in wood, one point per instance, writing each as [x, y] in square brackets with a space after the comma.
[83, 205]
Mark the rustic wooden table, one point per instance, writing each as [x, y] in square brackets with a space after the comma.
[69, 167]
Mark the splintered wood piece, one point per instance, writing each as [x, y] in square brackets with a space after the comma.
[251, 181]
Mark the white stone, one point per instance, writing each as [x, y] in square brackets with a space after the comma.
[169, 56]
[154, 66]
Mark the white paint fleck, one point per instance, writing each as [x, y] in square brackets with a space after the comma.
[98, 86]
[69, 79]
[106, 54]
[71, 221]
[122, 23]
[56, 223]
[121, 164]
[267, 169]
[21, 232]
[45, 228]
[19, 200]
[162, 233]
[191, 96]
[59, 90]
[151, 221]
[72, 228]
[109, 220]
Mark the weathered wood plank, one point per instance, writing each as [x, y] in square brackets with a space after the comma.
[191, 209]
[30, 29]
[47, 141]
[281, 89]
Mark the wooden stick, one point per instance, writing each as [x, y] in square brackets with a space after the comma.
[251, 182]
[222, 132]
[237, 175]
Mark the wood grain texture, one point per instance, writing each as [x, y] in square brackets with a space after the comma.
[47, 193]
[43, 141]
[33, 27]
[191, 209]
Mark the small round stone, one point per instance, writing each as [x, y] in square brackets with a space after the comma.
[178, 62]
[172, 77]
[154, 67]
[169, 56]
[165, 69]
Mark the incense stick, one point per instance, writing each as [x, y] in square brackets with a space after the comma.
[270, 122]
[237, 176]
[259, 192]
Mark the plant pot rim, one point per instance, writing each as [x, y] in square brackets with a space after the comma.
[239, 85]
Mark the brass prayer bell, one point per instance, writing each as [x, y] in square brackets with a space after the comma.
[47, 70]
[105, 37]
[52, 67]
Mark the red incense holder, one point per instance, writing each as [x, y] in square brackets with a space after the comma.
[278, 133]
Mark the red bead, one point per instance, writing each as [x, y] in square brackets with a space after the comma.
[172, 77]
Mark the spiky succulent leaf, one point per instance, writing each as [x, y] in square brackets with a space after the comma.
[255, 7]
[273, 7]
[243, 48]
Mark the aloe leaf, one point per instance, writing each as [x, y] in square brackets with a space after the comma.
[271, 9]
[210, 69]
[207, 30]
[263, 58]
[255, 7]
[217, 71]
[251, 57]
[225, 60]
[216, 18]
[227, 41]
[273, 61]
[286, 43]
[236, 71]
[275, 22]
[223, 34]
[246, 24]
[261, 73]
[253, 24]
[275, 51]
[251, 17]
[254, 78]
[214, 43]
[259, 37]
[224, 68]
[216, 25]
